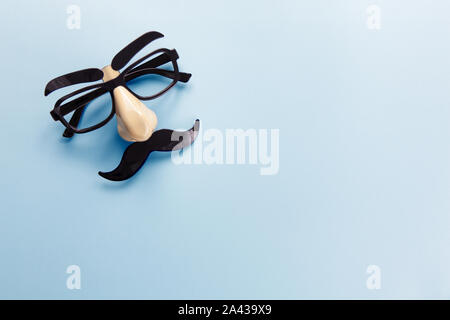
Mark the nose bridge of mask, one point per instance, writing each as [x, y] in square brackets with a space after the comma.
[135, 122]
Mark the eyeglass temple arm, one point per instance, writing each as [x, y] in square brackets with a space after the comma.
[74, 121]
[145, 68]
[182, 77]
[157, 62]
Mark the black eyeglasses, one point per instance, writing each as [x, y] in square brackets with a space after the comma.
[147, 78]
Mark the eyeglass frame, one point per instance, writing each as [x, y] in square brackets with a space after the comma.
[121, 80]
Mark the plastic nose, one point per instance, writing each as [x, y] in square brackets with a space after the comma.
[135, 122]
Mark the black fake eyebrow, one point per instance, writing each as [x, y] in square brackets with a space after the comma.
[81, 76]
[124, 56]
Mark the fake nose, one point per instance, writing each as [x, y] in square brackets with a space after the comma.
[135, 122]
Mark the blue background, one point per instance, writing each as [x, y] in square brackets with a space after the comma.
[364, 155]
